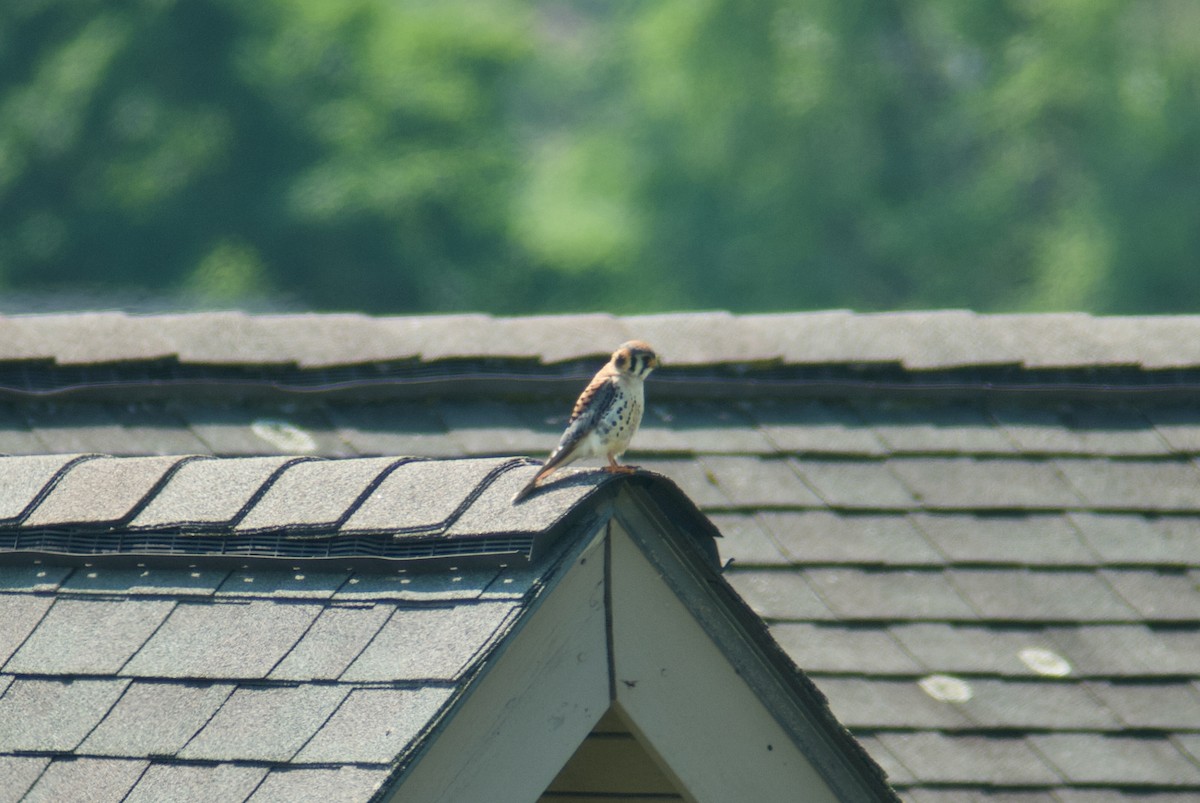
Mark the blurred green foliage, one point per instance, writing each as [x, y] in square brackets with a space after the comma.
[412, 155]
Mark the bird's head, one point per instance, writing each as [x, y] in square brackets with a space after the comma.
[635, 358]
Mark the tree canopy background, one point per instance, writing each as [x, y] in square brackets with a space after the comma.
[511, 156]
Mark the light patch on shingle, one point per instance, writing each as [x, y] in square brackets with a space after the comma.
[193, 582]
[419, 585]
[374, 726]
[1035, 705]
[858, 702]
[314, 493]
[449, 639]
[264, 724]
[222, 640]
[37, 576]
[320, 785]
[100, 491]
[208, 492]
[104, 779]
[22, 479]
[51, 715]
[175, 783]
[335, 639]
[296, 583]
[88, 637]
[155, 719]
[969, 648]
[420, 495]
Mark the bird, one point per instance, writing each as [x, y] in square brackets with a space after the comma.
[606, 414]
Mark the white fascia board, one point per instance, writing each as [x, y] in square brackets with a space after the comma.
[529, 711]
[687, 703]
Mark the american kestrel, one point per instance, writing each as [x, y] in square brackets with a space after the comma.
[606, 414]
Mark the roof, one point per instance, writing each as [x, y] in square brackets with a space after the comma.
[979, 535]
[246, 625]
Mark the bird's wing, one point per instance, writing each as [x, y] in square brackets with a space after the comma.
[593, 402]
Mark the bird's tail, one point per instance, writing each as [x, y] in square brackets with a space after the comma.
[528, 489]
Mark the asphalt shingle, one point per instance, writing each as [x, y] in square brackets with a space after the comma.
[985, 484]
[435, 585]
[819, 536]
[19, 773]
[265, 724]
[1110, 759]
[145, 581]
[972, 649]
[815, 427]
[747, 540]
[451, 637]
[936, 758]
[374, 726]
[1137, 539]
[88, 637]
[222, 640]
[699, 427]
[945, 428]
[1150, 485]
[830, 649]
[100, 491]
[750, 482]
[493, 511]
[854, 484]
[24, 479]
[874, 704]
[208, 492]
[873, 595]
[1009, 539]
[280, 584]
[318, 493]
[1159, 596]
[1041, 595]
[51, 715]
[1132, 650]
[319, 785]
[181, 783]
[1079, 429]
[335, 639]
[19, 615]
[1165, 706]
[155, 719]
[394, 428]
[421, 495]
[103, 778]
[1034, 705]
[779, 595]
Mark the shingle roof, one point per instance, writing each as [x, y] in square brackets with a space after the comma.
[980, 535]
